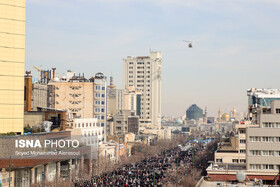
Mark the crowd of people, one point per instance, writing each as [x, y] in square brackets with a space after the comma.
[154, 171]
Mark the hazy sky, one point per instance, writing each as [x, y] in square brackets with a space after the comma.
[235, 44]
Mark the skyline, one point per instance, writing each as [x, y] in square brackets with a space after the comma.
[234, 45]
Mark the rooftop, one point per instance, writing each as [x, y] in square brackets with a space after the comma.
[264, 93]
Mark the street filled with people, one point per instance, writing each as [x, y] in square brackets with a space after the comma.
[154, 171]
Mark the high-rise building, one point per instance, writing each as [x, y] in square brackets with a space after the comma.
[100, 100]
[144, 73]
[12, 52]
[263, 140]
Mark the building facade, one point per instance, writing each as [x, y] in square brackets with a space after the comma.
[144, 73]
[76, 97]
[35, 94]
[263, 141]
[12, 55]
[100, 102]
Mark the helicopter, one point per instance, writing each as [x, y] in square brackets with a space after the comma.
[189, 42]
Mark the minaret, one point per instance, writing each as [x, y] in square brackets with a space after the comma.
[219, 114]
[111, 82]
[233, 113]
[205, 115]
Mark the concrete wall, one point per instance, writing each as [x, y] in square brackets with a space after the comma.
[39, 96]
[33, 118]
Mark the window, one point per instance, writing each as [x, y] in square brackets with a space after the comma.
[255, 139]
[243, 151]
[268, 125]
[277, 153]
[268, 166]
[242, 160]
[119, 128]
[265, 153]
[130, 76]
[271, 153]
[130, 72]
[255, 153]
[277, 110]
[268, 139]
[255, 166]
[218, 160]
[242, 141]
[277, 125]
[235, 160]
[243, 131]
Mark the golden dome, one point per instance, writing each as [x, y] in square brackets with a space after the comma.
[225, 117]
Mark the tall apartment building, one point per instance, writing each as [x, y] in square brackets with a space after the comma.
[12, 54]
[144, 73]
[100, 101]
[263, 141]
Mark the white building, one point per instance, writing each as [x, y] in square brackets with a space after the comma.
[144, 73]
[100, 100]
[91, 133]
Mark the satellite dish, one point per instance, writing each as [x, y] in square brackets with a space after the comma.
[240, 176]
